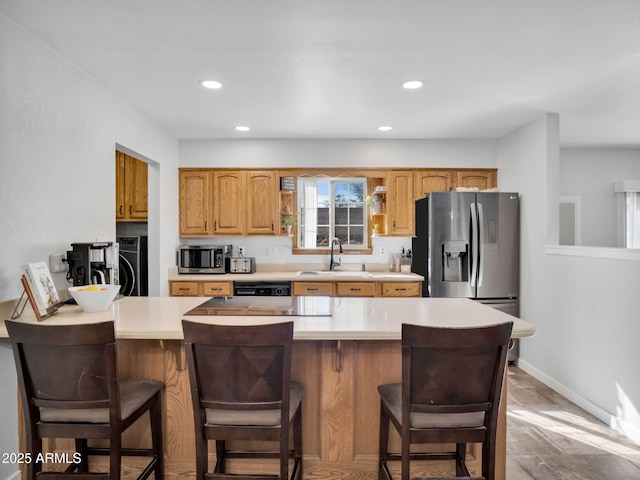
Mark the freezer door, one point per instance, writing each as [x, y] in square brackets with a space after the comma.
[450, 244]
[499, 245]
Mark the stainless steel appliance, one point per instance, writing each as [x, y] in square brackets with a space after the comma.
[242, 265]
[93, 263]
[134, 271]
[262, 289]
[204, 258]
[467, 244]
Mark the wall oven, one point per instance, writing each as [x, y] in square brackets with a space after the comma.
[204, 258]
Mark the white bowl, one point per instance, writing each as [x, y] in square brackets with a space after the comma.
[93, 300]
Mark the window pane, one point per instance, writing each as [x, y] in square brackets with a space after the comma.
[323, 237]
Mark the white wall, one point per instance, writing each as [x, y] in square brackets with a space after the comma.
[584, 309]
[58, 133]
[332, 153]
[590, 173]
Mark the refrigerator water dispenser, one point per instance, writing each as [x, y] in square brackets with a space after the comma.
[455, 261]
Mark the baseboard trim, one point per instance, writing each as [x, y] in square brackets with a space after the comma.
[618, 423]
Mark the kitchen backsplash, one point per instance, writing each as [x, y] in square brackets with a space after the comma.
[277, 250]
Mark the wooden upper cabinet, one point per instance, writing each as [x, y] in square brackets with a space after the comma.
[400, 203]
[482, 179]
[425, 181]
[195, 203]
[228, 203]
[261, 203]
[120, 207]
[131, 189]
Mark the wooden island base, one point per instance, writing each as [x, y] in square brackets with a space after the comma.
[340, 406]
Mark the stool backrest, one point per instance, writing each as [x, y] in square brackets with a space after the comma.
[239, 367]
[453, 370]
[65, 366]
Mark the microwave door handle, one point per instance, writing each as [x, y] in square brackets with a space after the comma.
[474, 245]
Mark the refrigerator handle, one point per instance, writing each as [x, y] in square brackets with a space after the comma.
[480, 244]
[474, 245]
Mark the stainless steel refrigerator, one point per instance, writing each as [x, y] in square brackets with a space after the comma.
[468, 245]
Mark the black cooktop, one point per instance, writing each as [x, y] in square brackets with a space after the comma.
[294, 306]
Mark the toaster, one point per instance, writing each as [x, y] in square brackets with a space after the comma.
[242, 265]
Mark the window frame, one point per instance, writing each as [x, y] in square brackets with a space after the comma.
[365, 247]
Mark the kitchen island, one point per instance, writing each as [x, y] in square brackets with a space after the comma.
[341, 358]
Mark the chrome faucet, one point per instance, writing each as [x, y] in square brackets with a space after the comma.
[335, 263]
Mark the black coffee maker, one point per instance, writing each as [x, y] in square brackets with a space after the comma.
[93, 263]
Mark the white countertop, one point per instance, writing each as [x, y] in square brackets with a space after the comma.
[299, 276]
[353, 318]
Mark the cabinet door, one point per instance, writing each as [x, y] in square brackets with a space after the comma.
[120, 187]
[400, 203]
[425, 182]
[185, 289]
[136, 174]
[228, 203]
[355, 289]
[476, 179]
[261, 203]
[195, 203]
[401, 289]
[217, 289]
[312, 288]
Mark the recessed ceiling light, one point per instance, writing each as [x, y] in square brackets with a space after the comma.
[242, 128]
[385, 128]
[412, 84]
[211, 84]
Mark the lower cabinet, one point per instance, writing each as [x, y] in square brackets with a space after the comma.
[355, 289]
[311, 288]
[334, 289]
[200, 289]
[400, 289]
[358, 289]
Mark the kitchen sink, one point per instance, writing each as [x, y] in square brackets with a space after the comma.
[335, 273]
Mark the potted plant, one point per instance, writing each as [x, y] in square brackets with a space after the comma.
[375, 202]
[376, 228]
[287, 222]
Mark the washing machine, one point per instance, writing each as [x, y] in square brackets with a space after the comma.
[133, 266]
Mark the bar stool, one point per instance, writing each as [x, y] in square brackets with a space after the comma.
[242, 390]
[69, 389]
[450, 393]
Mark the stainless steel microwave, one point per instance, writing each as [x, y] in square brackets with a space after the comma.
[204, 258]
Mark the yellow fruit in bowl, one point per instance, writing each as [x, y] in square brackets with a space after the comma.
[92, 288]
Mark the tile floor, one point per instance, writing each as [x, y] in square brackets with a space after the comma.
[550, 438]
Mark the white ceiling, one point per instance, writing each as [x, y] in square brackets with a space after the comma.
[334, 68]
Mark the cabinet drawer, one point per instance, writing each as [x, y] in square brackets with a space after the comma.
[217, 289]
[401, 289]
[355, 289]
[312, 288]
[184, 289]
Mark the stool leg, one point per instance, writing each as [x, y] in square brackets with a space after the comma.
[383, 445]
[155, 416]
[81, 448]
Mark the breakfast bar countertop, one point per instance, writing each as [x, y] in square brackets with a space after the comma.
[352, 318]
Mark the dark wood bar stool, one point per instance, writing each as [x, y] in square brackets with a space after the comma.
[69, 389]
[450, 393]
[242, 390]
